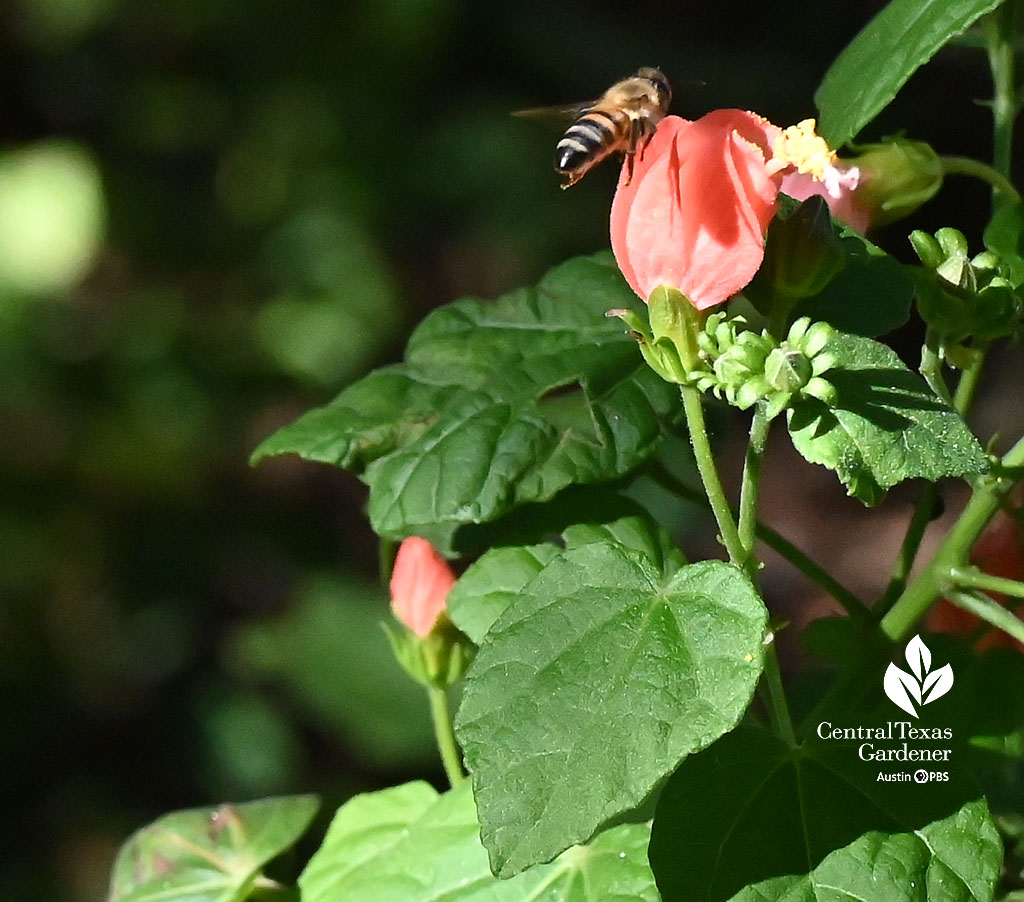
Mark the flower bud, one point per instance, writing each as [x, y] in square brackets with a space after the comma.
[802, 251]
[432, 651]
[896, 177]
[420, 583]
[960, 297]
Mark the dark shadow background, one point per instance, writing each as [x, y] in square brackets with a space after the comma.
[279, 192]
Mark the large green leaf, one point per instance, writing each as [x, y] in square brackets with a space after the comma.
[499, 403]
[877, 62]
[208, 854]
[408, 844]
[598, 679]
[751, 819]
[885, 425]
[492, 582]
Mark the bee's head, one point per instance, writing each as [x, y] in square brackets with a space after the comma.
[660, 84]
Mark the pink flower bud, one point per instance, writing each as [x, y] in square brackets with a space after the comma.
[694, 214]
[420, 584]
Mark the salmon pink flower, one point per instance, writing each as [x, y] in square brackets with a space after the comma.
[694, 214]
[420, 584]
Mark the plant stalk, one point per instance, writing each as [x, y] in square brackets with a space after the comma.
[693, 408]
[440, 714]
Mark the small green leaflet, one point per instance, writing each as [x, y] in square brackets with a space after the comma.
[602, 674]
[867, 75]
[498, 404]
[409, 844]
[752, 820]
[885, 426]
[208, 854]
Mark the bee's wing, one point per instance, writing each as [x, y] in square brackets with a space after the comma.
[556, 113]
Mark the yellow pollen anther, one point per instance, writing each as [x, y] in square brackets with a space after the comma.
[800, 146]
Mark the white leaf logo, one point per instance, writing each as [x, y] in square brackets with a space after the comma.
[920, 687]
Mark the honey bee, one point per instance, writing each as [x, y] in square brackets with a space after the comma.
[623, 120]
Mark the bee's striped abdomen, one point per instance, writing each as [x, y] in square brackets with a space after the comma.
[587, 141]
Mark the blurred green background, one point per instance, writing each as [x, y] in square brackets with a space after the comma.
[215, 214]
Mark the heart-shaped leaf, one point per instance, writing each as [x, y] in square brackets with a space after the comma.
[492, 583]
[595, 682]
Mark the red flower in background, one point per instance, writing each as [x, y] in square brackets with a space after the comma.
[695, 212]
[420, 584]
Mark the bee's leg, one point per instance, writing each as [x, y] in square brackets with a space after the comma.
[571, 179]
[635, 134]
[629, 167]
[644, 143]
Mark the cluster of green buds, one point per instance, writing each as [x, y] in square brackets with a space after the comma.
[746, 367]
[721, 354]
[964, 297]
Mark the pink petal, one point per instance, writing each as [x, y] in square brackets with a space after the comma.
[695, 213]
[420, 584]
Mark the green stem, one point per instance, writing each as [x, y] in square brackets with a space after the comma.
[991, 612]
[813, 571]
[973, 578]
[924, 511]
[778, 708]
[440, 714]
[969, 379]
[747, 529]
[778, 543]
[999, 41]
[693, 408]
[930, 584]
[966, 166]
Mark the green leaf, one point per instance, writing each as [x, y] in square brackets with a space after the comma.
[208, 854]
[492, 583]
[498, 404]
[878, 61]
[598, 679]
[885, 425]
[870, 296]
[751, 819]
[408, 844]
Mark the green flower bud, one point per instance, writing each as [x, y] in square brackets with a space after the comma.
[927, 249]
[960, 297]
[787, 370]
[896, 177]
[802, 251]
